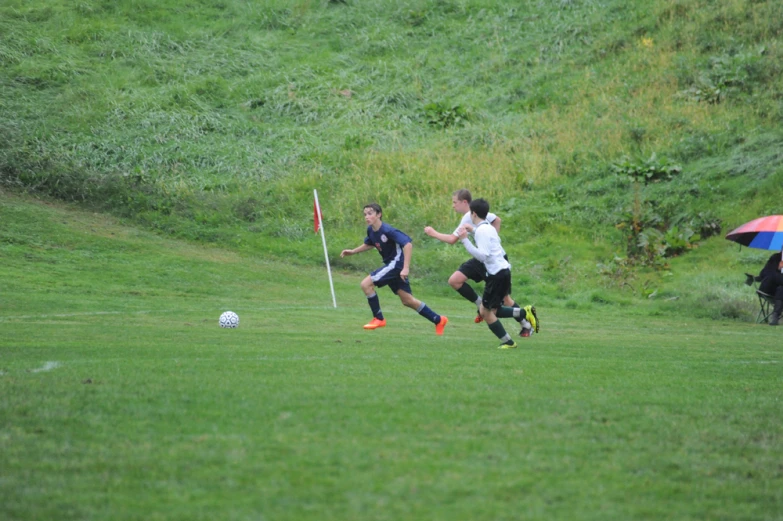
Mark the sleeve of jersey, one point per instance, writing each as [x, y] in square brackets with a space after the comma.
[456, 230]
[400, 238]
[481, 250]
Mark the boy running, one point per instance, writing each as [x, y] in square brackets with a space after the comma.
[395, 248]
[473, 269]
[490, 253]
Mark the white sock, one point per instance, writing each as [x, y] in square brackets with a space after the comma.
[526, 324]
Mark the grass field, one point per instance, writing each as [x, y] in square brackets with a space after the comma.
[121, 398]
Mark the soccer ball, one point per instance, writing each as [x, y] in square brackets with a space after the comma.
[229, 319]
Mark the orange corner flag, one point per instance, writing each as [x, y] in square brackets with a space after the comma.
[317, 216]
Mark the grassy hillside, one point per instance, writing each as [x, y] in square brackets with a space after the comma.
[214, 121]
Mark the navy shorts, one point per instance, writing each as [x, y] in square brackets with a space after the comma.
[386, 276]
[496, 289]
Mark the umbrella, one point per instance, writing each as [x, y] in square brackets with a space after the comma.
[764, 233]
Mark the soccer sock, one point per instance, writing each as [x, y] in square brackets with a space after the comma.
[516, 313]
[516, 307]
[468, 293]
[425, 311]
[499, 331]
[375, 306]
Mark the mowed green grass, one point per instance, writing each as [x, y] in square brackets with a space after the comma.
[121, 398]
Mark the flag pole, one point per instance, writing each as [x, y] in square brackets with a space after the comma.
[320, 225]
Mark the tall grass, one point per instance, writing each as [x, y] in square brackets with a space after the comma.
[206, 117]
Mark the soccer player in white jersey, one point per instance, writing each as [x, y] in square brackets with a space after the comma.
[472, 269]
[489, 252]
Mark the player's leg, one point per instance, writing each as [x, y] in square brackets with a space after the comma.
[368, 286]
[526, 324]
[496, 326]
[469, 270]
[495, 290]
[421, 308]
[525, 316]
[458, 281]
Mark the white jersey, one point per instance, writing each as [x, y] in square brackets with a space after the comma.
[487, 249]
[467, 220]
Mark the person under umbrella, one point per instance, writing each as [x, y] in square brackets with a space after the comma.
[766, 233]
[772, 284]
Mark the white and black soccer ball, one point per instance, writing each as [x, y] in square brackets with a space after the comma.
[229, 319]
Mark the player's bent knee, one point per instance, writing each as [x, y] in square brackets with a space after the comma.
[457, 279]
[367, 285]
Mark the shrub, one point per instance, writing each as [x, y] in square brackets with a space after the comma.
[443, 115]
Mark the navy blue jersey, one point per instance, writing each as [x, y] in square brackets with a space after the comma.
[389, 242]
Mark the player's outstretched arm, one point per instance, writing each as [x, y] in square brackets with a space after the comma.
[358, 249]
[448, 238]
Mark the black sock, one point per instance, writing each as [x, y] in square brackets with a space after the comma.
[468, 293]
[498, 329]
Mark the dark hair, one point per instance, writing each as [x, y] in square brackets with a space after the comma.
[463, 194]
[376, 208]
[480, 207]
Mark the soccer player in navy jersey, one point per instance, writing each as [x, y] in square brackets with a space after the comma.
[489, 252]
[395, 248]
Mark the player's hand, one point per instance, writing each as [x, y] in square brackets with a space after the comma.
[468, 227]
[462, 233]
[345, 253]
[429, 230]
[404, 274]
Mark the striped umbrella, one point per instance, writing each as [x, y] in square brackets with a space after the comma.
[764, 233]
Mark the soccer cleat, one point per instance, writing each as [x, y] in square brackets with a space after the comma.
[530, 314]
[508, 345]
[526, 332]
[479, 319]
[440, 326]
[375, 323]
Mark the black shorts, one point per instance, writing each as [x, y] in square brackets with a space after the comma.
[496, 289]
[477, 272]
[474, 270]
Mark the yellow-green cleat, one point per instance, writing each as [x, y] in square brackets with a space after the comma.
[508, 345]
[530, 315]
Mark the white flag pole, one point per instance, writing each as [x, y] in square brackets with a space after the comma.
[323, 239]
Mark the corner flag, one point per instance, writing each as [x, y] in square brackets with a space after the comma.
[317, 216]
[319, 225]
